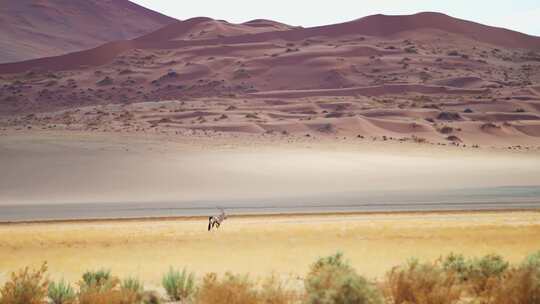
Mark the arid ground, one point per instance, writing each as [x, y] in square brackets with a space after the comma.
[381, 113]
[260, 245]
[66, 167]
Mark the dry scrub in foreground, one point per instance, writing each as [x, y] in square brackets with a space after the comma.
[449, 280]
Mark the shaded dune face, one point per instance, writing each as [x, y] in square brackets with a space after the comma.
[35, 28]
[478, 83]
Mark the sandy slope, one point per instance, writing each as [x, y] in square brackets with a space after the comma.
[425, 77]
[32, 29]
[285, 245]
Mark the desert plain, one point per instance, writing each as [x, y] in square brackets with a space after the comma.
[73, 168]
[385, 137]
[261, 245]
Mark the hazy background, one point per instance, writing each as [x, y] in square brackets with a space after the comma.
[520, 15]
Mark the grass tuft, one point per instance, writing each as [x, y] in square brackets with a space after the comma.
[180, 286]
[61, 292]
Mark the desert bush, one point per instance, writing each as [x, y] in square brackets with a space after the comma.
[457, 264]
[422, 284]
[231, 289]
[61, 292]
[453, 138]
[179, 285]
[100, 287]
[484, 273]
[26, 286]
[517, 286]
[446, 130]
[240, 289]
[108, 293]
[332, 280]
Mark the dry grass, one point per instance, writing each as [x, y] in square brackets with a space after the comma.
[240, 289]
[330, 280]
[286, 244]
[26, 286]
[230, 289]
[518, 286]
[422, 284]
[99, 287]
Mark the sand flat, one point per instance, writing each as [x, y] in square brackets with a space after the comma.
[82, 167]
[260, 245]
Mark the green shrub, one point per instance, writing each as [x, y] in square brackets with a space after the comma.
[132, 284]
[332, 280]
[457, 264]
[25, 286]
[422, 284]
[533, 260]
[100, 278]
[61, 292]
[179, 285]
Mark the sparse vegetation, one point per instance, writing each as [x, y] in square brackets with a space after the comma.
[450, 280]
[332, 280]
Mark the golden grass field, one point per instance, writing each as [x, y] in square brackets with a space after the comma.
[285, 245]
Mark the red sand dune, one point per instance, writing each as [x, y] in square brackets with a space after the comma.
[181, 34]
[425, 77]
[37, 28]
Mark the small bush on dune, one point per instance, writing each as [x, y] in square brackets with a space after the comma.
[332, 280]
[179, 285]
[61, 292]
[26, 286]
[422, 284]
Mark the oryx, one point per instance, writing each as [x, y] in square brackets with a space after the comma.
[216, 220]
